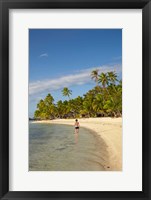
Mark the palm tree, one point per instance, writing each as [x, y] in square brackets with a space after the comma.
[41, 105]
[98, 104]
[105, 100]
[49, 100]
[66, 92]
[120, 84]
[36, 114]
[60, 108]
[87, 107]
[95, 75]
[112, 77]
[103, 79]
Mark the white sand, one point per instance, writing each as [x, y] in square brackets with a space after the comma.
[109, 129]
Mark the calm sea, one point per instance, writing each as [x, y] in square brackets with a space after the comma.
[56, 148]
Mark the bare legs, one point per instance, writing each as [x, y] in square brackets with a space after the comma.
[76, 130]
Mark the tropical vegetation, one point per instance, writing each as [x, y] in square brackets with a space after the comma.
[105, 99]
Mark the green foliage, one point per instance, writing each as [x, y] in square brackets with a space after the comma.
[94, 75]
[66, 92]
[103, 79]
[102, 100]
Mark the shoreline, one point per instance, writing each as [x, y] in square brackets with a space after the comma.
[109, 130]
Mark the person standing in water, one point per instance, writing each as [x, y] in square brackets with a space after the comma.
[76, 125]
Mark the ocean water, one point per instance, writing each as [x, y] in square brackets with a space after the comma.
[55, 147]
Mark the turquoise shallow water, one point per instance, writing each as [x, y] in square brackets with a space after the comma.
[55, 147]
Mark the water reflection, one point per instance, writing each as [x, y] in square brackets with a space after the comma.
[76, 137]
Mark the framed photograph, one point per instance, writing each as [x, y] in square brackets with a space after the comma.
[75, 99]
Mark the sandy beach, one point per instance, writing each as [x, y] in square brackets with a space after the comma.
[110, 131]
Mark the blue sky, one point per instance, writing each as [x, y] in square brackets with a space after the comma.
[65, 58]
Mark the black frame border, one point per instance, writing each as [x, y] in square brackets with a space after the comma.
[5, 5]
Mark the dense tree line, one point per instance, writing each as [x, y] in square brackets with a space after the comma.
[105, 99]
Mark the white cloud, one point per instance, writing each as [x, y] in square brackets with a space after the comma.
[43, 55]
[81, 77]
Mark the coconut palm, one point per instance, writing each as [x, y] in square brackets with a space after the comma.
[37, 114]
[48, 100]
[95, 75]
[112, 77]
[66, 92]
[41, 105]
[87, 107]
[103, 79]
[60, 108]
[98, 103]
